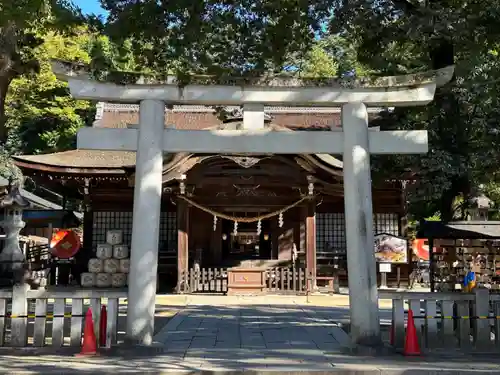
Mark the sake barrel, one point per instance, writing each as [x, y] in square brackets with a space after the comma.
[124, 265]
[111, 265]
[118, 280]
[120, 251]
[103, 280]
[114, 237]
[96, 265]
[104, 251]
[88, 279]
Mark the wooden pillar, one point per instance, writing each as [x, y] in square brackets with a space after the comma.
[311, 241]
[403, 232]
[82, 257]
[182, 240]
[275, 232]
[88, 227]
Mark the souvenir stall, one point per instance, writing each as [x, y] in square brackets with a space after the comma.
[457, 248]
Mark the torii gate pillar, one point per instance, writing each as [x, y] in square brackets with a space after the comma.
[361, 265]
[146, 223]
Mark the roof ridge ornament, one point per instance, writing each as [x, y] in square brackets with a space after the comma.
[244, 161]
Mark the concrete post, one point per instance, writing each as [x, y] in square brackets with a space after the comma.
[19, 322]
[146, 222]
[361, 265]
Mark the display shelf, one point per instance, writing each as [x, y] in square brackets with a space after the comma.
[454, 258]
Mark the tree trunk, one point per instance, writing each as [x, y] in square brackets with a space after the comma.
[4, 87]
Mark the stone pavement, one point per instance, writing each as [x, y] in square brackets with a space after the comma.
[142, 360]
[229, 337]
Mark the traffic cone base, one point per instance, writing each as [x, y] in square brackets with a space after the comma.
[412, 348]
[89, 344]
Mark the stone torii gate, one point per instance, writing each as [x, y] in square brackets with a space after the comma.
[151, 139]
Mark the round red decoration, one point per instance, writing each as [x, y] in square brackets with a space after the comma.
[65, 244]
[421, 249]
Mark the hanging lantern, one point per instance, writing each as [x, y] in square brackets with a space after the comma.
[235, 230]
[215, 223]
[280, 220]
[259, 227]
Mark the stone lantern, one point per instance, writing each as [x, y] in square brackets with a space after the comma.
[12, 260]
[480, 206]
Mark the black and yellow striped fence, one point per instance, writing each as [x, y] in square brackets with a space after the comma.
[455, 317]
[48, 316]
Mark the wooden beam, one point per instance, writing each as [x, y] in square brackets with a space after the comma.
[225, 182]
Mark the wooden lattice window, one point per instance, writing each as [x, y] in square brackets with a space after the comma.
[168, 232]
[330, 231]
[330, 234]
[106, 220]
[386, 223]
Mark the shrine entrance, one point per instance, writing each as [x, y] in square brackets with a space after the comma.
[355, 142]
[248, 244]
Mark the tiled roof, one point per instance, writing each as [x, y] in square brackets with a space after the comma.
[82, 159]
[203, 120]
[201, 117]
[182, 117]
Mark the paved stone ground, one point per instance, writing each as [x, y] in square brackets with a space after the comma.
[259, 335]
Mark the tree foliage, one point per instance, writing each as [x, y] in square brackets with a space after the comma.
[394, 37]
[214, 37]
[269, 36]
[23, 23]
[42, 115]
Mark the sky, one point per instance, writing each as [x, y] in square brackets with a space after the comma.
[90, 6]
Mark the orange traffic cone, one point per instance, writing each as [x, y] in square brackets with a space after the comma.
[89, 345]
[411, 342]
[102, 326]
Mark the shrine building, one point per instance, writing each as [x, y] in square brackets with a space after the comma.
[220, 190]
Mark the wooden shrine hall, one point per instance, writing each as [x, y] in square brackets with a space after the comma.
[220, 211]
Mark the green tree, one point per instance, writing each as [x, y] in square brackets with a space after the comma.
[394, 37]
[22, 26]
[43, 117]
[319, 63]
